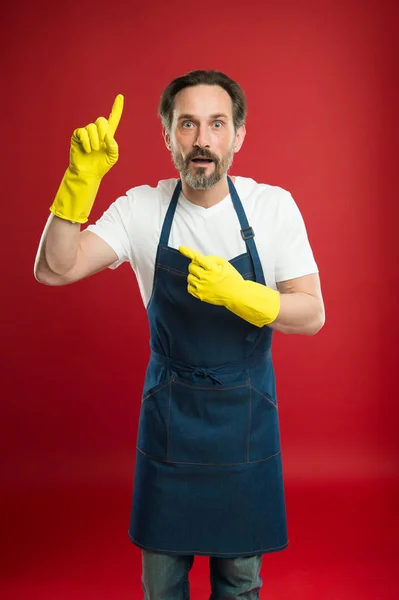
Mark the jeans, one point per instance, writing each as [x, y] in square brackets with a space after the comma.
[165, 577]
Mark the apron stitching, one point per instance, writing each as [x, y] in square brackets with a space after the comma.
[252, 361]
[156, 389]
[240, 256]
[178, 272]
[264, 396]
[153, 288]
[181, 462]
[168, 429]
[183, 273]
[194, 551]
[174, 250]
[211, 389]
[250, 422]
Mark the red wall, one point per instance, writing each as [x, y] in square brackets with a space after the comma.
[321, 83]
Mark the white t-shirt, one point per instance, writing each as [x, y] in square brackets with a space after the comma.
[132, 227]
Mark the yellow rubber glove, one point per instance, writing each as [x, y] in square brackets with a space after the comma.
[93, 152]
[213, 279]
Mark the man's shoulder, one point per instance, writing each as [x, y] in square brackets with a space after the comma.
[163, 188]
[251, 190]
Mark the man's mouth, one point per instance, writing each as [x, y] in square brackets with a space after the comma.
[201, 161]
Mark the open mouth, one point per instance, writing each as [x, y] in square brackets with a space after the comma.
[202, 161]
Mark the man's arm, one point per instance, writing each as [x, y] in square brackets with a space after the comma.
[66, 254]
[297, 306]
[302, 306]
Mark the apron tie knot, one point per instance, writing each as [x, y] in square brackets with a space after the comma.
[206, 373]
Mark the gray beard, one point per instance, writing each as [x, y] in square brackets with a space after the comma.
[197, 179]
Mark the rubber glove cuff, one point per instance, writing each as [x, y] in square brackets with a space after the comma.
[75, 197]
[255, 302]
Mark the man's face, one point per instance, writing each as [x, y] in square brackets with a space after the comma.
[203, 128]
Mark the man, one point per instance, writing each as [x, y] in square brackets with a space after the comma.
[221, 262]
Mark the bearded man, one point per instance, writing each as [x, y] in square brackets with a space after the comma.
[221, 262]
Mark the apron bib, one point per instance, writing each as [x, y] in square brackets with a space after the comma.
[208, 477]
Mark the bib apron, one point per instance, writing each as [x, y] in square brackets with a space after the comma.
[208, 477]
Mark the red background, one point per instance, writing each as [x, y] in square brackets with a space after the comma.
[321, 80]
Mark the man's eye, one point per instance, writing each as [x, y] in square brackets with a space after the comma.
[219, 123]
[185, 123]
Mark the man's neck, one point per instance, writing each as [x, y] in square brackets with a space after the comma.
[209, 197]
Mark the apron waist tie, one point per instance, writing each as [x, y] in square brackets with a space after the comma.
[207, 373]
[212, 372]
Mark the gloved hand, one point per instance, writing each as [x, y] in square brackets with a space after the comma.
[213, 279]
[93, 152]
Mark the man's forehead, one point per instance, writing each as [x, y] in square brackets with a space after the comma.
[203, 101]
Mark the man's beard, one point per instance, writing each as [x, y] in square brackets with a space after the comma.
[196, 177]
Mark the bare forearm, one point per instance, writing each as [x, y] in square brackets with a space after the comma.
[299, 313]
[58, 247]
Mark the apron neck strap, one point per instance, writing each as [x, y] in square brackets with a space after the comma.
[167, 224]
[247, 233]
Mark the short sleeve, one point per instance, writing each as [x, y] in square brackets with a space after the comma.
[113, 226]
[294, 256]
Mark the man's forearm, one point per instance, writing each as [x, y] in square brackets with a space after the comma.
[299, 313]
[58, 247]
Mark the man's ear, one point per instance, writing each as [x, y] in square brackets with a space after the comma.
[240, 136]
[166, 137]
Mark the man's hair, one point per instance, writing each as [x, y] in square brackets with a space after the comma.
[199, 77]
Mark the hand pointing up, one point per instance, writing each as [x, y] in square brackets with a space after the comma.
[93, 152]
[93, 148]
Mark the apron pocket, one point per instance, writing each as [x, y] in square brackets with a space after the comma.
[209, 425]
[184, 423]
[265, 434]
[153, 423]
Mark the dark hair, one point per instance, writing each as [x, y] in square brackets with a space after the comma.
[166, 104]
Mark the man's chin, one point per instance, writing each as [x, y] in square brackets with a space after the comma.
[201, 183]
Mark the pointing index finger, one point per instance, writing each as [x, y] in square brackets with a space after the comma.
[193, 254]
[206, 262]
[116, 113]
[189, 252]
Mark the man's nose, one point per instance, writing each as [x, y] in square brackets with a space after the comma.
[203, 137]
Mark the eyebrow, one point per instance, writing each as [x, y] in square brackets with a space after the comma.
[216, 116]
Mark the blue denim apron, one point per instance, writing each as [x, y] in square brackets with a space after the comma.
[208, 477]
